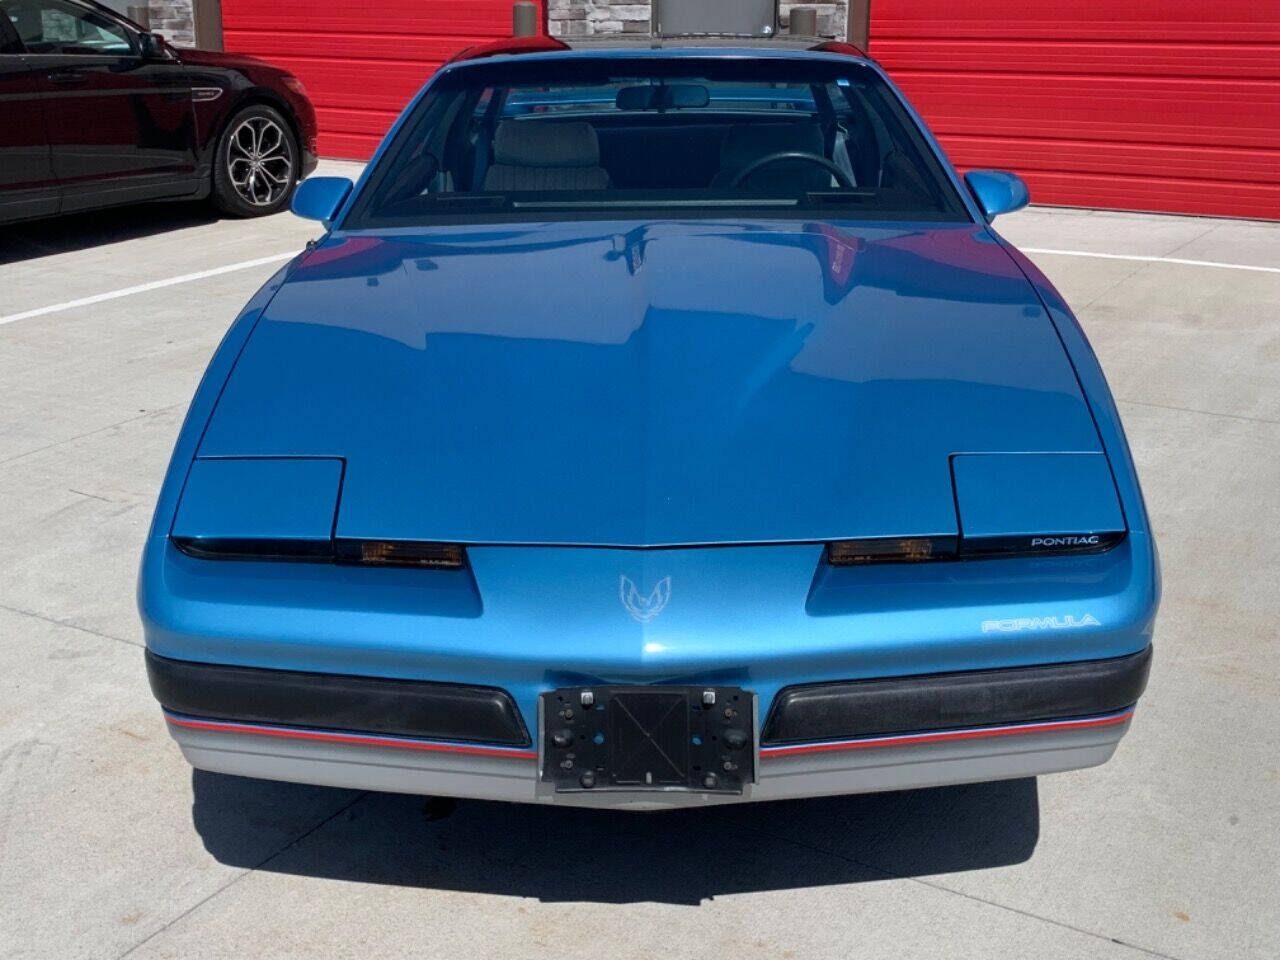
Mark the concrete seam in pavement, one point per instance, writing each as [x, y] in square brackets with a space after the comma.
[1035, 916]
[1203, 413]
[1195, 239]
[890, 875]
[70, 626]
[241, 875]
[1079, 310]
[111, 426]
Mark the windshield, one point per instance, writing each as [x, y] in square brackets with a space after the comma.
[574, 138]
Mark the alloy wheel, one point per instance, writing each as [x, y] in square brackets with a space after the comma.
[260, 161]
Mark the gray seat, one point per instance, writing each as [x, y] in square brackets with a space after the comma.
[545, 155]
[746, 143]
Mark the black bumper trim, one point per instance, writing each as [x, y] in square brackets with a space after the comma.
[860, 708]
[403, 708]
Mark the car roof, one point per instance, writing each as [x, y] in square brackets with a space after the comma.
[642, 41]
[649, 45]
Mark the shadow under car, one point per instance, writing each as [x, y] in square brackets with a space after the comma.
[29, 239]
[559, 854]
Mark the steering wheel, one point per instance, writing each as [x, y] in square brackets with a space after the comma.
[842, 178]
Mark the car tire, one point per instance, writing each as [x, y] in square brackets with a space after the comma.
[256, 165]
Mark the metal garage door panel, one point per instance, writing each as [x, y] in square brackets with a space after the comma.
[361, 60]
[1167, 105]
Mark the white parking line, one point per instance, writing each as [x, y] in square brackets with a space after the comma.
[1129, 256]
[144, 287]
[246, 264]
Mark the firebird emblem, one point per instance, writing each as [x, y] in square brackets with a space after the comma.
[644, 609]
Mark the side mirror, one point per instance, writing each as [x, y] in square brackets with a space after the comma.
[153, 46]
[320, 198]
[997, 191]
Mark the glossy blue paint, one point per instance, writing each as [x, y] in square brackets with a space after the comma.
[1106, 417]
[1093, 385]
[319, 198]
[648, 383]
[269, 498]
[202, 404]
[1001, 495]
[997, 191]
[477, 397]
[542, 617]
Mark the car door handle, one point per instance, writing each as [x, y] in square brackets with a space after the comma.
[68, 76]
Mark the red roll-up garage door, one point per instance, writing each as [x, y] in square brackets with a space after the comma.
[360, 60]
[1168, 105]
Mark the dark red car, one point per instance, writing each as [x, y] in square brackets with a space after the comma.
[96, 111]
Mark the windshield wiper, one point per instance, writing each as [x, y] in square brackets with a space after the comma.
[652, 204]
[481, 201]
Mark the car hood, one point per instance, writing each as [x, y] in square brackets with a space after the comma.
[217, 58]
[651, 384]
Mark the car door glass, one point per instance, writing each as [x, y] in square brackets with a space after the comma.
[9, 42]
[58, 27]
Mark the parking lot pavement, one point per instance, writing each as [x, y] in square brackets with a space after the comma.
[111, 847]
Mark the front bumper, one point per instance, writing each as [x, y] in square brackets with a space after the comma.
[836, 738]
[765, 619]
[310, 160]
[376, 706]
[459, 770]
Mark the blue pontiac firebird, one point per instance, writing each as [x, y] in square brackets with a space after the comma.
[653, 426]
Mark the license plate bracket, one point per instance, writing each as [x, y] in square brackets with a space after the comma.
[645, 738]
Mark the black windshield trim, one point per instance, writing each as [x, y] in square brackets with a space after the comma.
[826, 213]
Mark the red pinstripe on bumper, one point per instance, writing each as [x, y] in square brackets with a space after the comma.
[939, 736]
[766, 753]
[360, 739]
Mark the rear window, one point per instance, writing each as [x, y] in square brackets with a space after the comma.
[572, 138]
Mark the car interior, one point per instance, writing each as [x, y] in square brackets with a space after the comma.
[53, 27]
[669, 140]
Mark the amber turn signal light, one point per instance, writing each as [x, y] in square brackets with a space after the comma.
[402, 553]
[843, 553]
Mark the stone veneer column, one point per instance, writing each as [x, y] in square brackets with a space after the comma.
[579, 18]
[175, 19]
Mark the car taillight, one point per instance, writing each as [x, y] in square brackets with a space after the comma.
[397, 553]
